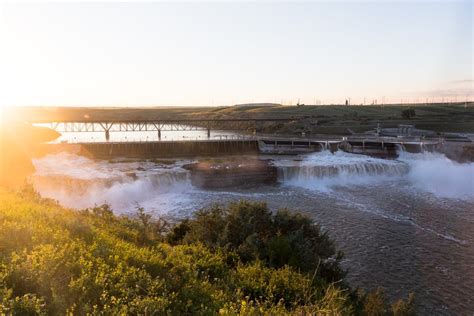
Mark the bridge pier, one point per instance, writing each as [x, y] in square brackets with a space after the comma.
[159, 134]
[107, 135]
[208, 133]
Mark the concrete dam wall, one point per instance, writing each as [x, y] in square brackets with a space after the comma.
[170, 148]
[383, 148]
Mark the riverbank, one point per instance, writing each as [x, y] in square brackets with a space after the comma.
[403, 223]
[18, 143]
[119, 265]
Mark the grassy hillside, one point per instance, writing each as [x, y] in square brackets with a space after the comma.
[56, 261]
[322, 119]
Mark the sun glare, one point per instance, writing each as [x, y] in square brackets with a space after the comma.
[237, 158]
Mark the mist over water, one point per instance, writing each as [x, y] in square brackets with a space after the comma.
[80, 182]
[434, 173]
[428, 172]
[407, 224]
[326, 171]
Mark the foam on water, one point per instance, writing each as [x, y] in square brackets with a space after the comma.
[324, 171]
[406, 223]
[426, 172]
[77, 181]
[81, 182]
[436, 174]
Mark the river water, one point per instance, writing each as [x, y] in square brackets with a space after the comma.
[406, 225]
[169, 133]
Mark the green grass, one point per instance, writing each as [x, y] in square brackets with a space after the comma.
[56, 261]
[333, 118]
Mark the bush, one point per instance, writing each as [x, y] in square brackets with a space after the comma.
[235, 260]
[408, 113]
[254, 233]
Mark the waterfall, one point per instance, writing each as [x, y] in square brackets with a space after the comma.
[323, 170]
[349, 170]
[429, 172]
[79, 182]
[435, 173]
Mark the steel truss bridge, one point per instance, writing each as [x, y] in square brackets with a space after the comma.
[108, 126]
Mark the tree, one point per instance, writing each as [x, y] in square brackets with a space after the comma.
[408, 113]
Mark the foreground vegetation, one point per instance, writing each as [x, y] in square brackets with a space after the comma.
[234, 260]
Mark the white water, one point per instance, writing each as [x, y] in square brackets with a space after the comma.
[324, 171]
[428, 172]
[436, 174]
[81, 182]
[400, 222]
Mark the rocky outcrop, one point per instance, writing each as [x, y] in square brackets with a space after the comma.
[216, 174]
[459, 151]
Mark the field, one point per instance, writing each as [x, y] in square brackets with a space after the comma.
[322, 119]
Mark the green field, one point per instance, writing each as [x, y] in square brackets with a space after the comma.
[322, 119]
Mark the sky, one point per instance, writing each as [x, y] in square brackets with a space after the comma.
[198, 54]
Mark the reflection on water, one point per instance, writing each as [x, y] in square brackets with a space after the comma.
[405, 224]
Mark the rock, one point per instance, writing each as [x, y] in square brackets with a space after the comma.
[132, 175]
[462, 152]
[232, 173]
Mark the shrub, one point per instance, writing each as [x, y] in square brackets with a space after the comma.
[235, 260]
[408, 113]
[253, 232]
[404, 308]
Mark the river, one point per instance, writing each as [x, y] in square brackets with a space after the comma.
[406, 225]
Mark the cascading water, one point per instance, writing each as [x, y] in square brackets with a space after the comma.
[80, 182]
[427, 172]
[324, 170]
[406, 223]
[440, 176]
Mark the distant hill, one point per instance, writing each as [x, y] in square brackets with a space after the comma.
[257, 104]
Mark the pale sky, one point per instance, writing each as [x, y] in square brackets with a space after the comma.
[124, 54]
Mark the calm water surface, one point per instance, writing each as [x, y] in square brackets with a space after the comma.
[117, 136]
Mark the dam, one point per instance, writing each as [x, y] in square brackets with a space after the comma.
[383, 147]
[380, 210]
[217, 137]
[168, 149]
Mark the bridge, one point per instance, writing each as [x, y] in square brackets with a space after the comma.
[384, 146]
[159, 125]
